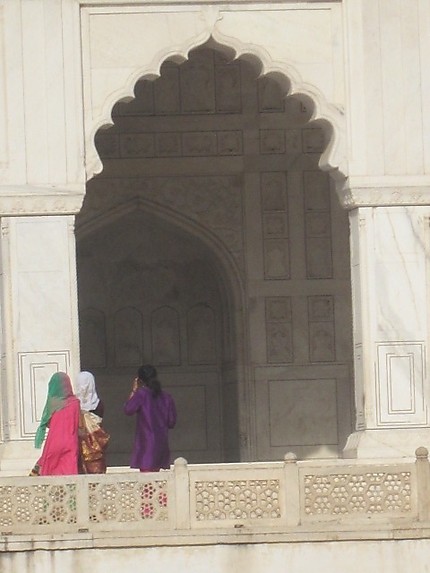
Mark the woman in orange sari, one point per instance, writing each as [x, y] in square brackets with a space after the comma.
[93, 439]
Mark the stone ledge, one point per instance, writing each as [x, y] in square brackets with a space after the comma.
[28, 200]
[129, 539]
[384, 191]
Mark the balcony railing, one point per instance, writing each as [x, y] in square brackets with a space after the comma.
[290, 497]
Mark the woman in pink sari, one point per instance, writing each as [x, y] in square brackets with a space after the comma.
[61, 416]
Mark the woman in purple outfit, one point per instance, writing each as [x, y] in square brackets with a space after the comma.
[156, 414]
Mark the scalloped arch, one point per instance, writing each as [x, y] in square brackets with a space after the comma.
[328, 115]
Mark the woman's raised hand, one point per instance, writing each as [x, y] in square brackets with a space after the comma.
[135, 385]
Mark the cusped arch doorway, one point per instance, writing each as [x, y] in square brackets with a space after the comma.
[223, 148]
[151, 292]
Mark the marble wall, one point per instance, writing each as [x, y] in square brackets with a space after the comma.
[362, 556]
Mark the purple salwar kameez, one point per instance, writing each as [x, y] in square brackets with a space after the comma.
[155, 416]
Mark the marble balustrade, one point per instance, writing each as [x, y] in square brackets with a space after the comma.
[292, 499]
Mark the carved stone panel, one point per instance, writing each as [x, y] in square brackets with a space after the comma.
[230, 143]
[322, 348]
[302, 412]
[272, 141]
[318, 224]
[274, 225]
[317, 191]
[279, 330]
[401, 384]
[198, 85]
[319, 258]
[279, 342]
[192, 434]
[35, 370]
[137, 145]
[356, 492]
[270, 96]
[107, 144]
[228, 88]
[128, 337]
[213, 201]
[167, 99]
[319, 263]
[144, 101]
[143, 104]
[199, 143]
[165, 336]
[321, 329]
[201, 335]
[168, 144]
[313, 141]
[256, 499]
[273, 191]
[93, 331]
[275, 228]
[278, 309]
[293, 140]
[276, 259]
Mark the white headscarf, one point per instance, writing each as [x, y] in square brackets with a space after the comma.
[85, 390]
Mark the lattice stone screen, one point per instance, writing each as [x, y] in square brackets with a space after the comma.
[237, 499]
[231, 495]
[37, 504]
[370, 493]
[71, 503]
[289, 496]
[127, 501]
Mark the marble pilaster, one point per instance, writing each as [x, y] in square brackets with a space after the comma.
[39, 309]
[389, 264]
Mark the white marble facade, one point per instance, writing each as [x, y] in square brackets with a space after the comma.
[237, 193]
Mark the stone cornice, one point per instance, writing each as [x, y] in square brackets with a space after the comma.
[384, 191]
[28, 200]
[113, 4]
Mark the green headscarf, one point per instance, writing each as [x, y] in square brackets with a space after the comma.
[59, 389]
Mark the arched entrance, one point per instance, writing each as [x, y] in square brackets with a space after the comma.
[151, 292]
[215, 145]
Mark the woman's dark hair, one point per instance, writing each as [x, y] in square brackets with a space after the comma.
[148, 375]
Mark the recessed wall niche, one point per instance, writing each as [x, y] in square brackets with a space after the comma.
[223, 168]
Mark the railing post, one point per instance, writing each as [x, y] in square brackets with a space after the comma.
[182, 494]
[423, 483]
[292, 490]
[82, 504]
